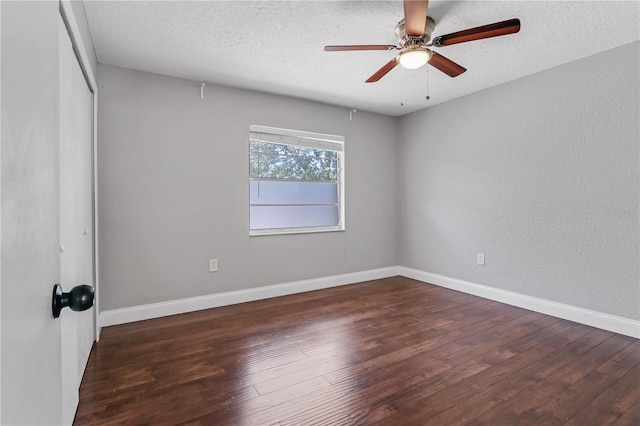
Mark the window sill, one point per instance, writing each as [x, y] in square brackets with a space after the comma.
[286, 231]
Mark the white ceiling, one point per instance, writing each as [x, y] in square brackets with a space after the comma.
[277, 46]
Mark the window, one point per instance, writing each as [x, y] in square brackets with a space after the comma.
[296, 181]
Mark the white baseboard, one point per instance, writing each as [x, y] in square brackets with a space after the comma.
[156, 310]
[601, 320]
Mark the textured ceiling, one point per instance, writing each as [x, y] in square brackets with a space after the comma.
[277, 46]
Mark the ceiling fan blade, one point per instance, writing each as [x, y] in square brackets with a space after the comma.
[415, 17]
[446, 65]
[510, 26]
[383, 71]
[359, 47]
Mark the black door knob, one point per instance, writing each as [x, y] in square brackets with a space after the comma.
[80, 298]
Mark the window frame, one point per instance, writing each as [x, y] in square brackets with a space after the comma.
[310, 140]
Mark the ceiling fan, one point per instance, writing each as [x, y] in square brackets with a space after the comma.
[414, 39]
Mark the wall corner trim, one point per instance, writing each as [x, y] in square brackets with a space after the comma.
[174, 307]
[620, 325]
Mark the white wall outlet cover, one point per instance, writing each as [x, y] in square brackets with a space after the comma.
[213, 265]
[481, 259]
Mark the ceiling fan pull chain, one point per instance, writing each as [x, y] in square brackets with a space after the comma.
[401, 86]
[428, 97]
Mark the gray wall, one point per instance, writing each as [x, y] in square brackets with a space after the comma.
[30, 258]
[173, 190]
[540, 174]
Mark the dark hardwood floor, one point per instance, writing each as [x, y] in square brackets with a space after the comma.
[384, 352]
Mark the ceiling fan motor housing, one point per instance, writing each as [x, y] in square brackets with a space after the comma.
[408, 41]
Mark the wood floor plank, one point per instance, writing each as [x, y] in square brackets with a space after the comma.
[606, 408]
[458, 393]
[582, 392]
[554, 375]
[480, 393]
[631, 417]
[618, 398]
[383, 352]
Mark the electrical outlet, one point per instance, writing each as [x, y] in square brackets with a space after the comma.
[213, 265]
[481, 259]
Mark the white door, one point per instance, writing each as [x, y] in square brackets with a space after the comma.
[76, 218]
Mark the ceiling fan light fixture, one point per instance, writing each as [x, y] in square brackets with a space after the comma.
[415, 57]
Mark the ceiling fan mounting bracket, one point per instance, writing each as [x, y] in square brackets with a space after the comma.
[405, 40]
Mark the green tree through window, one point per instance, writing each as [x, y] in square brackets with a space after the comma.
[278, 161]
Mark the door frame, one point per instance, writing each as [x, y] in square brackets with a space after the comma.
[0, 211]
[69, 19]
